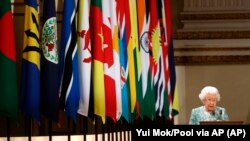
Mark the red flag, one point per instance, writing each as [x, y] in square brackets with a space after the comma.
[98, 58]
[109, 68]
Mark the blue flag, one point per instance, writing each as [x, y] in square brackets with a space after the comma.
[30, 81]
[68, 63]
[49, 62]
[123, 42]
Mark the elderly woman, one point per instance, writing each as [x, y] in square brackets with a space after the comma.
[209, 96]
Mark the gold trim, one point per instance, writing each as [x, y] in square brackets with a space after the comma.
[223, 16]
[212, 60]
[212, 35]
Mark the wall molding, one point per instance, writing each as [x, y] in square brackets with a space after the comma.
[212, 60]
[215, 16]
[211, 35]
[192, 49]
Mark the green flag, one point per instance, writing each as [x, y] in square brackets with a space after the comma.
[8, 76]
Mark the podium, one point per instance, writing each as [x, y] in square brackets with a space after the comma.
[221, 122]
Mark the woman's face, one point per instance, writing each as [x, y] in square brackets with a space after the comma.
[210, 102]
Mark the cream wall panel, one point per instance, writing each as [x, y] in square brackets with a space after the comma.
[233, 82]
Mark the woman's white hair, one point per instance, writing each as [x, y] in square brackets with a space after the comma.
[209, 90]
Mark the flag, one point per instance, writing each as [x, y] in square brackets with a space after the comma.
[68, 62]
[117, 65]
[129, 46]
[134, 60]
[122, 32]
[30, 81]
[172, 87]
[171, 81]
[147, 107]
[49, 62]
[8, 72]
[173, 94]
[175, 108]
[98, 58]
[164, 50]
[109, 66]
[84, 58]
[157, 60]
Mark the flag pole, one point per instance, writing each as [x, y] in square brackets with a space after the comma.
[111, 123]
[50, 129]
[8, 129]
[28, 127]
[103, 131]
[119, 122]
[96, 128]
[85, 124]
[116, 129]
[108, 129]
[124, 129]
[68, 128]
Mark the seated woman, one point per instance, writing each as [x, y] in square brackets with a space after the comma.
[209, 96]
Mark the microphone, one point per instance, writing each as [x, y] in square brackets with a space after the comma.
[220, 114]
[213, 113]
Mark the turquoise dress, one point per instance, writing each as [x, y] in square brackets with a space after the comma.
[200, 114]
